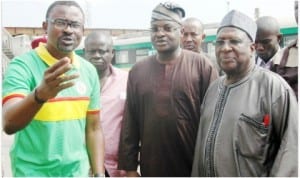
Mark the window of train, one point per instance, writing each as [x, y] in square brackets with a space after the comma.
[132, 56]
[122, 57]
[210, 49]
[288, 39]
[141, 53]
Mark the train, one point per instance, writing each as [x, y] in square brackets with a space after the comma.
[130, 50]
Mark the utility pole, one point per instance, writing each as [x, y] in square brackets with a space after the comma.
[256, 13]
[228, 5]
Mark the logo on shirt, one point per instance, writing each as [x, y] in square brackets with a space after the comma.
[80, 87]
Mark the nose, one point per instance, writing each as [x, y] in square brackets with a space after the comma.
[259, 47]
[95, 55]
[68, 28]
[226, 46]
[99, 55]
[188, 38]
[160, 31]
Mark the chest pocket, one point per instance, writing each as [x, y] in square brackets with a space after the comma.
[251, 136]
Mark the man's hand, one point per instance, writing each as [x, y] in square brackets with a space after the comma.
[55, 79]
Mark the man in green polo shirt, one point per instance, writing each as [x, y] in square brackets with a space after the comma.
[51, 103]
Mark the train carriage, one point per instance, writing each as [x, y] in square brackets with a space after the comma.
[130, 50]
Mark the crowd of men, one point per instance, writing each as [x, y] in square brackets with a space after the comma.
[176, 113]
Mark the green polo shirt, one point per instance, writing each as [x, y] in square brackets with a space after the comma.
[53, 144]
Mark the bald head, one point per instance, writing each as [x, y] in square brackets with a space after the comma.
[268, 37]
[268, 23]
[193, 34]
[192, 21]
[100, 37]
[98, 49]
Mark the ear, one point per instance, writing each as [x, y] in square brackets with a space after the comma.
[182, 30]
[113, 52]
[113, 61]
[203, 36]
[279, 37]
[45, 26]
[252, 47]
[181, 33]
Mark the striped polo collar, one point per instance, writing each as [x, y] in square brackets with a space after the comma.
[50, 60]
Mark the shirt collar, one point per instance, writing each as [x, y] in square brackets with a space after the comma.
[50, 60]
[262, 63]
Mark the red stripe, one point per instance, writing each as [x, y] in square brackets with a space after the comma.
[94, 112]
[68, 99]
[12, 96]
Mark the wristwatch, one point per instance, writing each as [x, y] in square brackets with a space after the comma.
[99, 175]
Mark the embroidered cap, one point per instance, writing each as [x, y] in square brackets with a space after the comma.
[168, 11]
[241, 21]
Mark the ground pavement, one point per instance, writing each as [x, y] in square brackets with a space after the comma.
[6, 142]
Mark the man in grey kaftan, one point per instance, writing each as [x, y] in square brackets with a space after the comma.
[248, 125]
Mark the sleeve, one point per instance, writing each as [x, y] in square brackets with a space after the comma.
[129, 138]
[214, 74]
[209, 74]
[18, 80]
[286, 127]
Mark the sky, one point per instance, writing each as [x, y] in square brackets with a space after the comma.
[135, 14]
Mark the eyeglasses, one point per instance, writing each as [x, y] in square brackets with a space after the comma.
[62, 24]
[165, 29]
[232, 42]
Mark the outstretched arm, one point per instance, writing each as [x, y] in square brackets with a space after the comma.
[19, 112]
